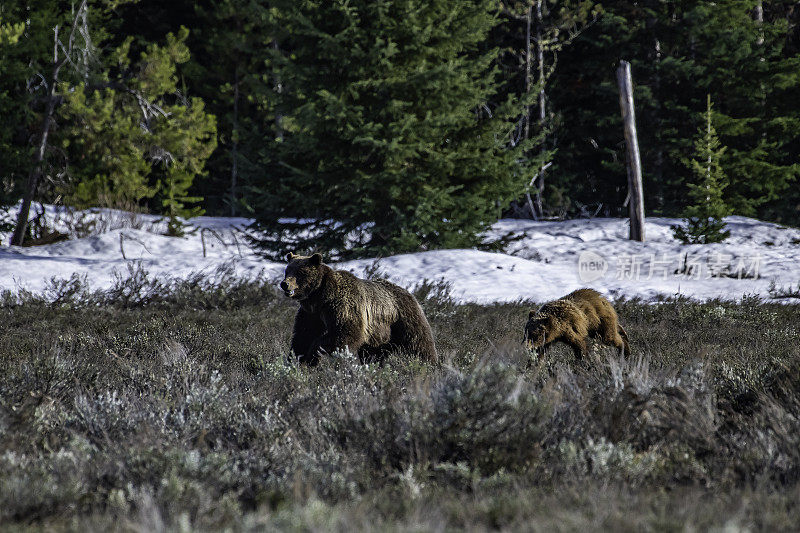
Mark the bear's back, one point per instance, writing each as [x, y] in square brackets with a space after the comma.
[375, 300]
[348, 283]
[563, 309]
[593, 305]
[584, 297]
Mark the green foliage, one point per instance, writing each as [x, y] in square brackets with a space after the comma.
[681, 51]
[548, 27]
[18, 62]
[391, 141]
[27, 66]
[138, 137]
[125, 132]
[378, 127]
[10, 33]
[113, 168]
[235, 85]
[704, 218]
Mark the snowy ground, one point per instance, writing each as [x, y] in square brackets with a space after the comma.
[546, 260]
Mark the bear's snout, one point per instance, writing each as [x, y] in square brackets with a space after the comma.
[529, 343]
[534, 338]
[288, 286]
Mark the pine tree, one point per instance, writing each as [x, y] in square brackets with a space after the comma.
[230, 42]
[118, 130]
[136, 137]
[704, 219]
[757, 86]
[388, 142]
[229, 54]
[10, 33]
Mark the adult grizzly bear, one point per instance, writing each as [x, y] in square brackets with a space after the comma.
[339, 310]
[572, 319]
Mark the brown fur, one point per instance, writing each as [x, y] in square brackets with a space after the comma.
[339, 310]
[573, 319]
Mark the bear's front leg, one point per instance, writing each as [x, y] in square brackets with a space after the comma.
[342, 333]
[579, 347]
[306, 337]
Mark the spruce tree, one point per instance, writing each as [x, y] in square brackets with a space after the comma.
[388, 144]
[681, 51]
[758, 86]
[229, 52]
[135, 137]
[704, 219]
[229, 43]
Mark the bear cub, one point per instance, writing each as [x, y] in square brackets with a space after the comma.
[339, 310]
[573, 319]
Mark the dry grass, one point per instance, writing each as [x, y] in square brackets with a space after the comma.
[165, 405]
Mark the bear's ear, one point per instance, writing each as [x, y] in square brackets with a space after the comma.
[290, 256]
[530, 315]
[316, 259]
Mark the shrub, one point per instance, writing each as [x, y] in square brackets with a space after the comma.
[175, 407]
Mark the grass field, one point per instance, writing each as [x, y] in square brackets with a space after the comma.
[170, 406]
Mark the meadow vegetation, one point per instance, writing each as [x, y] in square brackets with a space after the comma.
[170, 405]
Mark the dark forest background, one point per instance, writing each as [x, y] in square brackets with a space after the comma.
[380, 126]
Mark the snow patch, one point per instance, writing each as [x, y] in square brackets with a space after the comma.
[540, 263]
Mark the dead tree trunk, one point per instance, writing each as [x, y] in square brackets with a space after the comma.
[527, 129]
[635, 190]
[537, 209]
[235, 141]
[278, 89]
[542, 101]
[35, 174]
[760, 22]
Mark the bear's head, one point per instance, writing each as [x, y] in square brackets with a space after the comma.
[303, 275]
[536, 331]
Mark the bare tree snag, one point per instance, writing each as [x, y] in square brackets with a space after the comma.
[278, 89]
[537, 209]
[35, 174]
[235, 142]
[527, 128]
[555, 29]
[635, 190]
[760, 21]
[542, 100]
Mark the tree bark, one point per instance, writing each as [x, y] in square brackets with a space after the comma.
[278, 89]
[760, 21]
[636, 193]
[658, 163]
[542, 102]
[527, 128]
[35, 174]
[235, 140]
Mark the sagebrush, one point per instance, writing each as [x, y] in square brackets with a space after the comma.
[164, 405]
